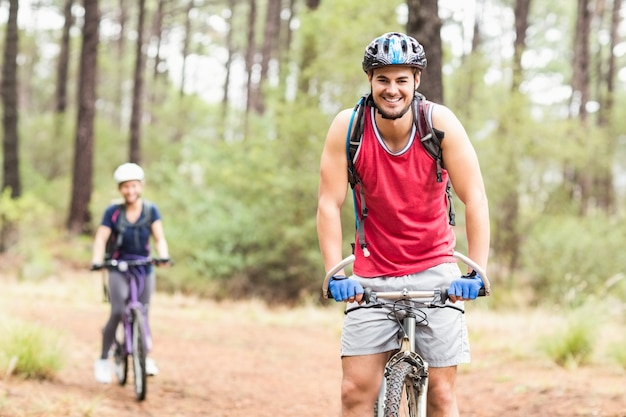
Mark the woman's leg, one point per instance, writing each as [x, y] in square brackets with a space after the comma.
[118, 294]
[145, 297]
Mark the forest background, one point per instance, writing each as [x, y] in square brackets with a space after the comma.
[226, 105]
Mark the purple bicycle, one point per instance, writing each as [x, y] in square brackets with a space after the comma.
[133, 337]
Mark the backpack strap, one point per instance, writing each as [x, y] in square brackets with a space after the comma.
[423, 117]
[147, 209]
[353, 140]
[431, 140]
[119, 223]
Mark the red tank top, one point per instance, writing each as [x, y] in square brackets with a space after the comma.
[407, 228]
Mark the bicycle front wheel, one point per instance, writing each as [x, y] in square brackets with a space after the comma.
[121, 363]
[405, 394]
[139, 355]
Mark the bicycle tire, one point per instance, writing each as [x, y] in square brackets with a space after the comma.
[139, 356]
[402, 398]
[121, 362]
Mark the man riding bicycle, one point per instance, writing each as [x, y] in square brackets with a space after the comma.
[142, 220]
[406, 240]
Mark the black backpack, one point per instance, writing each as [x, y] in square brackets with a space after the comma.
[120, 224]
[429, 136]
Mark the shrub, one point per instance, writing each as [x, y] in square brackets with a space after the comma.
[618, 353]
[573, 344]
[30, 351]
[560, 255]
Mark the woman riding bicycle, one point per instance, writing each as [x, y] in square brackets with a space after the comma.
[141, 220]
[410, 239]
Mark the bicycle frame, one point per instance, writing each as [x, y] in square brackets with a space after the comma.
[418, 376]
[136, 340]
[134, 304]
[412, 380]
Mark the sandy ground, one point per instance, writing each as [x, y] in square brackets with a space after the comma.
[244, 360]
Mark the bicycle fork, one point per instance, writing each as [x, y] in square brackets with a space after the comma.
[140, 309]
[407, 352]
[419, 379]
[128, 328]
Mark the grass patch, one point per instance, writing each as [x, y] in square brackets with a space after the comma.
[573, 344]
[617, 352]
[30, 351]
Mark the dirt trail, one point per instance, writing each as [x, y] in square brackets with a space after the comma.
[242, 360]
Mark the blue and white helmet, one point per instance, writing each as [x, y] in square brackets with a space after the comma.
[394, 48]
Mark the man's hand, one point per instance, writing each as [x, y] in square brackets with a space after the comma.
[342, 288]
[465, 288]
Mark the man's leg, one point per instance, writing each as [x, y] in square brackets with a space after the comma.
[441, 392]
[362, 376]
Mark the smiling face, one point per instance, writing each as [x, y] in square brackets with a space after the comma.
[393, 88]
[131, 190]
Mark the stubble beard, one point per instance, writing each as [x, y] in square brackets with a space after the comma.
[392, 115]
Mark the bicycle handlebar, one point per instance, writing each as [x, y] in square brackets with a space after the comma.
[123, 264]
[486, 290]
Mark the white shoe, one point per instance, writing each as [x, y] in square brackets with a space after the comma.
[102, 371]
[151, 368]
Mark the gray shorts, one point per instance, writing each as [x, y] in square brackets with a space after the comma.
[442, 342]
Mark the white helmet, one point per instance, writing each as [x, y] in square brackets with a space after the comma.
[128, 172]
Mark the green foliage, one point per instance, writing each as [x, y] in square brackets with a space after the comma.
[336, 70]
[29, 350]
[11, 209]
[618, 352]
[38, 236]
[239, 196]
[248, 227]
[51, 140]
[570, 258]
[573, 344]
[25, 210]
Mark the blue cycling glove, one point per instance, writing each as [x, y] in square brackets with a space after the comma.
[342, 288]
[467, 286]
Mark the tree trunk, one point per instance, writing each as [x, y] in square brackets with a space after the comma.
[507, 234]
[250, 53]
[157, 30]
[476, 35]
[79, 216]
[285, 46]
[604, 191]
[522, 8]
[582, 180]
[137, 112]
[580, 64]
[11, 167]
[155, 94]
[185, 52]
[11, 172]
[424, 25]
[268, 52]
[64, 54]
[58, 161]
[606, 108]
[229, 61]
[121, 73]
